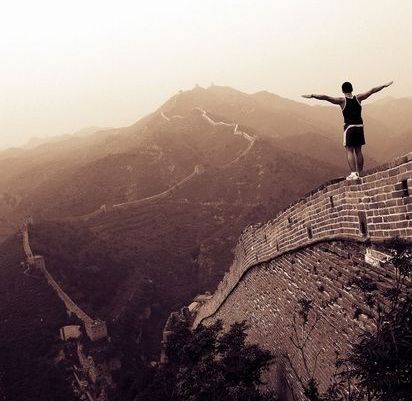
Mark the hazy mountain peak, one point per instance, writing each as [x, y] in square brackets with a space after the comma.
[265, 93]
[34, 142]
[384, 100]
[221, 90]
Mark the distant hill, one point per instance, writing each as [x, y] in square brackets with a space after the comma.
[395, 113]
[277, 117]
[404, 141]
[266, 113]
[37, 141]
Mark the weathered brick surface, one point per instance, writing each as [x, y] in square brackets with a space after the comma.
[268, 294]
[311, 250]
[371, 208]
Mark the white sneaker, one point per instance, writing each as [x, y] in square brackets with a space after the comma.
[354, 175]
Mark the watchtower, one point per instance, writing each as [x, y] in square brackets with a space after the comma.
[96, 329]
[37, 261]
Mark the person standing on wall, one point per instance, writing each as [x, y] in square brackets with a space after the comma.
[353, 136]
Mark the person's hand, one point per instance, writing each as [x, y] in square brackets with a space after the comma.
[388, 84]
[307, 96]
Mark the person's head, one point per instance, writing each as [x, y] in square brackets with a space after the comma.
[347, 87]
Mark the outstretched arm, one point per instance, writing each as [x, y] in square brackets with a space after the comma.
[334, 100]
[363, 96]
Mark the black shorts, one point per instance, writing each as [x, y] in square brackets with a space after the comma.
[353, 135]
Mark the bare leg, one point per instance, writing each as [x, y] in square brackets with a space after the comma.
[350, 154]
[359, 159]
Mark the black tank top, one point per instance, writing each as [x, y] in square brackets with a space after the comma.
[352, 111]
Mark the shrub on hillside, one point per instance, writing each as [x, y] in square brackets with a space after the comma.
[210, 365]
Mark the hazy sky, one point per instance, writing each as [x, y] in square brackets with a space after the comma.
[65, 65]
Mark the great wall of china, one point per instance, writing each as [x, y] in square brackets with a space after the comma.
[374, 208]
[198, 170]
[92, 378]
[95, 329]
[313, 250]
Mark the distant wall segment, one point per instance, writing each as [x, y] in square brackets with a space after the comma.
[95, 329]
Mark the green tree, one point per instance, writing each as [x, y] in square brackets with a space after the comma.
[210, 365]
[381, 362]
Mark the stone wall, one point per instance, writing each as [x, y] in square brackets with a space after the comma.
[312, 251]
[268, 294]
[95, 329]
[376, 207]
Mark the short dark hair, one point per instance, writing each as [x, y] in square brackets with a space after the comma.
[347, 87]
